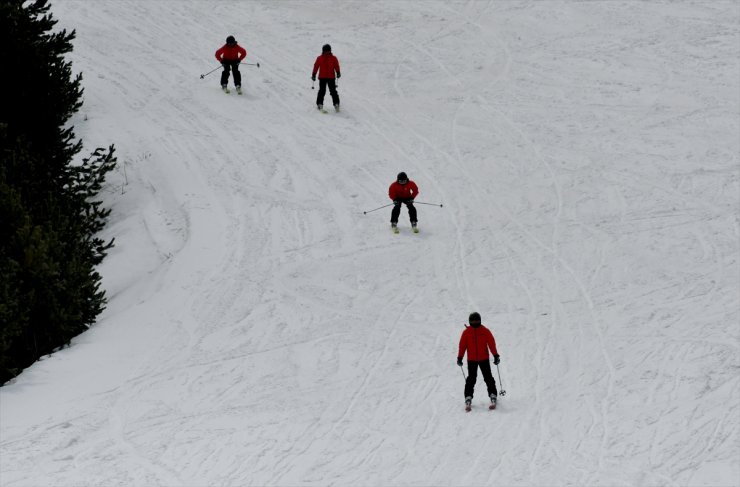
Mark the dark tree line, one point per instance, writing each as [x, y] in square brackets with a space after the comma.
[49, 218]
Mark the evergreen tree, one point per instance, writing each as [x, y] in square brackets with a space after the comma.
[49, 289]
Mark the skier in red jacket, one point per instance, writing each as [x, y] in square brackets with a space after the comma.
[477, 340]
[230, 55]
[327, 65]
[403, 190]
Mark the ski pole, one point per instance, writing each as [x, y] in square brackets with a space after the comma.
[209, 72]
[252, 64]
[503, 392]
[430, 204]
[463, 373]
[380, 207]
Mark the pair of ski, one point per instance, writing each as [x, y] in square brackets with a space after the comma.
[238, 90]
[397, 230]
[469, 407]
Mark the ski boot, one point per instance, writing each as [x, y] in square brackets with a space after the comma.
[414, 228]
[468, 404]
[336, 108]
[225, 88]
[394, 227]
[321, 108]
[238, 90]
[493, 402]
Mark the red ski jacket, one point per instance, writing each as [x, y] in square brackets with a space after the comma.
[477, 342]
[326, 65]
[406, 191]
[231, 53]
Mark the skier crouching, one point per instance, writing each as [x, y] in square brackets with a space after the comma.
[403, 191]
[477, 340]
[230, 55]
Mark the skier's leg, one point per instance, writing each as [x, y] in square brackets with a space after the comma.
[225, 75]
[472, 376]
[237, 74]
[322, 92]
[485, 370]
[395, 212]
[333, 92]
[412, 211]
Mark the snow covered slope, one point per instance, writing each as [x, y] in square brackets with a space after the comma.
[263, 331]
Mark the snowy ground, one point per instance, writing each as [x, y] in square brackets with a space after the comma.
[262, 331]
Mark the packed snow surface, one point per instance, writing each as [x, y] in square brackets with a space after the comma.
[262, 330]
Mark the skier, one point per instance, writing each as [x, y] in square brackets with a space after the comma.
[477, 340]
[403, 190]
[230, 55]
[326, 65]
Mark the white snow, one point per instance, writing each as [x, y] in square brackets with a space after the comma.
[262, 331]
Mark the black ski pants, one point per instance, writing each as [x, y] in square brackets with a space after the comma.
[323, 83]
[233, 66]
[396, 211]
[485, 369]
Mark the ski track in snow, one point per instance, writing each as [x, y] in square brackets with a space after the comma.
[262, 331]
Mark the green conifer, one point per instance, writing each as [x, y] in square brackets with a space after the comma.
[49, 289]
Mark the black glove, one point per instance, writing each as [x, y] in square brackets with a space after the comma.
[496, 360]
[313, 77]
[397, 202]
[459, 361]
[339, 75]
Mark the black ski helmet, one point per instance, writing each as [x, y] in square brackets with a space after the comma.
[402, 177]
[326, 48]
[474, 317]
[230, 40]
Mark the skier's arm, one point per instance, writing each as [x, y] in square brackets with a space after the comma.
[315, 67]
[336, 68]
[243, 53]
[492, 344]
[463, 347]
[391, 193]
